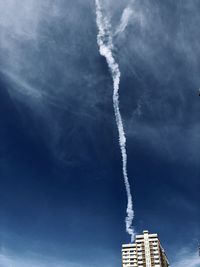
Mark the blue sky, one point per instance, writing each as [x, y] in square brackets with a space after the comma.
[62, 196]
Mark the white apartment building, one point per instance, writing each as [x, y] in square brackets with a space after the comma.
[145, 252]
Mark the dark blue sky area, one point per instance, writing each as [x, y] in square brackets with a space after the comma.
[62, 196]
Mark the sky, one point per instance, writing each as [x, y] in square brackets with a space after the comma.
[62, 195]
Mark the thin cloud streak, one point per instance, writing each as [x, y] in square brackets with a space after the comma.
[22, 87]
[126, 15]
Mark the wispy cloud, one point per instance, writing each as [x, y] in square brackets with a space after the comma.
[21, 86]
[187, 258]
[169, 140]
[11, 259]
[126, 15]
[130, 16]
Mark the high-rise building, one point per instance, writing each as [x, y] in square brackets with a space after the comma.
[146, 251]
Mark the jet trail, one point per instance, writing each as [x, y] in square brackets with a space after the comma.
[105, 43]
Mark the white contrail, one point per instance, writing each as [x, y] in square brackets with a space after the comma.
[105, 44]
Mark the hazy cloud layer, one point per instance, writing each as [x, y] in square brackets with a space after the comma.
[31, 259]
[187, 258]
[160, 59]
[58, 100]
[45, 50]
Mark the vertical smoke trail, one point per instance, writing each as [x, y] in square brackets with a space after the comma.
[105, 44]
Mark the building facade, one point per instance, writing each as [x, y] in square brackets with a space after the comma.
[146, 251]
